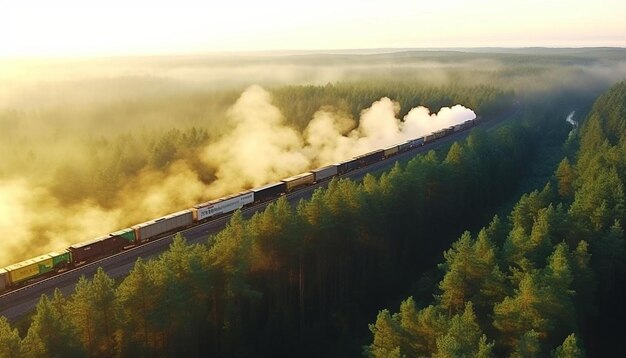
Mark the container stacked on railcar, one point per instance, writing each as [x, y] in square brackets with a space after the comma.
[370, 158]
[151, 229]
[390, 151]
[297, 181]
[269, 191]
[102, 246]
[221, 206]
[324, 173]
[37, 267]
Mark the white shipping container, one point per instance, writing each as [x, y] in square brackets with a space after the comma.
[224, 205]
[325, 172]
[162, 225]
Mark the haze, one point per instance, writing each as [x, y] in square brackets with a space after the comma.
[69, 28]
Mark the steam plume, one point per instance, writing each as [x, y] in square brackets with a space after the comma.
[257, 147]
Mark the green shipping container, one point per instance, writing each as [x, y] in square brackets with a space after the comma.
[128, 234]
[60, 258]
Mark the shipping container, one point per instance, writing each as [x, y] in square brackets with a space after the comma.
[4, 279]
[166, 224]
[324, 173]
[222, 205]
[297, 181]
[126, 234]
[29, 269]
[404, 147]
[88, 250]
[347, 166]
[369, 158]
[417, 142]
[389, 151]
[96, 248]
[269, 191]
[60, 259]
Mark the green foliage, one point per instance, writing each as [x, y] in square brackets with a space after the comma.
[10, 341]
[51, 334]
[569, 349]
[294, 281]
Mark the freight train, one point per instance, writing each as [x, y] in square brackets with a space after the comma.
[37, 268]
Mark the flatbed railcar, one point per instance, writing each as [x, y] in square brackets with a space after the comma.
[46, 265]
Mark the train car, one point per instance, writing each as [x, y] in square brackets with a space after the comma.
[102, 246]
[127, 234]
[36, 267]
[221, 206]
[61, 260]
[390, 151]
[324, 173]
[404, 147]
[269, 191]
[166, 224]
[370, 158]
[4, 279]
[347, 166]
[417, 142]
[438, 134]
[297, 181]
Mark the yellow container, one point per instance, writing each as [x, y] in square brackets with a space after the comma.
[30, 268]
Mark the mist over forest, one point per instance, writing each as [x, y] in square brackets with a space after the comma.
[90, 146]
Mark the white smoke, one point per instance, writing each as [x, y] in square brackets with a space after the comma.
[570, 119]
[260, 147]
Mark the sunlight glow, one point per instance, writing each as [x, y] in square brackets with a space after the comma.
[74, 27]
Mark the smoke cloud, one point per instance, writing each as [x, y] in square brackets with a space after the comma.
[260, 147]
[256, 147]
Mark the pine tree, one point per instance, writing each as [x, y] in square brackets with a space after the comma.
[569, 349]
[528, 346]
[10, 342]
[387, 337]
[464, 337]
[50, 334]
[565, 179]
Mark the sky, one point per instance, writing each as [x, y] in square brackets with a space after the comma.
[69, 28]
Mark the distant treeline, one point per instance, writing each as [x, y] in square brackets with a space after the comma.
[298, 281]
[58, 146]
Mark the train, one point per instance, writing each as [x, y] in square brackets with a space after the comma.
[41, 267]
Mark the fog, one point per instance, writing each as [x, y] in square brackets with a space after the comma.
[256, 147]
[79, 138]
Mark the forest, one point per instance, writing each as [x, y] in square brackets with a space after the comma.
[357, 269]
